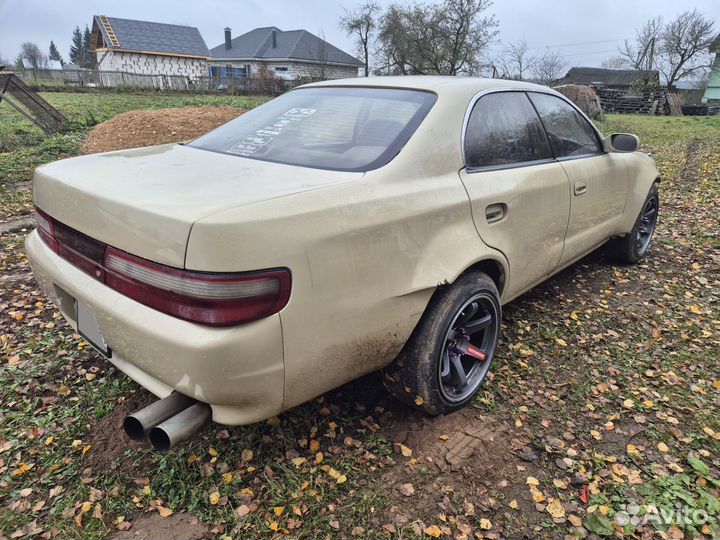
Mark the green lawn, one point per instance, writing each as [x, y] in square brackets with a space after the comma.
[605, 393]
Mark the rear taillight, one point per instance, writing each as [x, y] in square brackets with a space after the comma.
[216, 299]
[45, 228]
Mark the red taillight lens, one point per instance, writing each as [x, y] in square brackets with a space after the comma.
[216, 299]
[207, 298]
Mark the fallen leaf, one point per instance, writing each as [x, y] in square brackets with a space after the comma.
[404, 450]
[164, 511]
[555, 509]
[433, 531]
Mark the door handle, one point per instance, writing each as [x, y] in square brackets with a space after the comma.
[580, 187]
[495, 212]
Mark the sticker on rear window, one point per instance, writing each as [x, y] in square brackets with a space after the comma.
[264, 136]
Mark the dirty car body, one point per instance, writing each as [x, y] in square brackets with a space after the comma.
[253, 275]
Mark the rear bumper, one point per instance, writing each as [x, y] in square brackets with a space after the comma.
[239, 371]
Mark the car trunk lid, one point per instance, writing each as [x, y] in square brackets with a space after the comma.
[145, 201]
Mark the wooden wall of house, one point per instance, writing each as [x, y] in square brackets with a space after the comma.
[152, 64]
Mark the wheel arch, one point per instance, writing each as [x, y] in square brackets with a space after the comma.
[493, 268]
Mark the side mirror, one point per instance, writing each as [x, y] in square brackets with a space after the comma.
[622, 142]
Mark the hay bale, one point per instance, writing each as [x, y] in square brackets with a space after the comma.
[584, 97]
[149, 127]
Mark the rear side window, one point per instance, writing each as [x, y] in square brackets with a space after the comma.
[569, 133]
[504, 130]
[343, 128]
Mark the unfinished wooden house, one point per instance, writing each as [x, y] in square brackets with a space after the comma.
[148, 48]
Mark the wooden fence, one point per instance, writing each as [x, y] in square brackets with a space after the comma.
[119, 79]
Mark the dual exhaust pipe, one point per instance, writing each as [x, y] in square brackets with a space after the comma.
[167, 422]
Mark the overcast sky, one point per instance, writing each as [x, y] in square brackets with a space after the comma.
[585, 32]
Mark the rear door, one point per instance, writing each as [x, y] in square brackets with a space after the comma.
[598, 180]
[519, 193]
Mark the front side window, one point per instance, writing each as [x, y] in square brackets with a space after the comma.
[569, 133]
[342, 128]
[504, 130]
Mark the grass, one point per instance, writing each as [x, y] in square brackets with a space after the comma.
[608, 375]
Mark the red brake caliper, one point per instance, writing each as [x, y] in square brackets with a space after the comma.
[476, 353]
[464, 347]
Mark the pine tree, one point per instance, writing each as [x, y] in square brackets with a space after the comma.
[90, 61]
[55, 54]
[76, 49]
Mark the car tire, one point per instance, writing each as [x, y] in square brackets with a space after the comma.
[632, 247]
[460, 325]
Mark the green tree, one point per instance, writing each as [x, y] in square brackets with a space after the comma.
[446, 38]
[89, 59]
[76, 49]
[55, 54]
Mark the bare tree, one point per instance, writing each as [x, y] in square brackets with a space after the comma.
[549, 68]
[321, 55]
[615, 62]
[446, 38]
[467, 32]
[361, 24]
[642, 54]
[4, 61]
[684, 47]
[515, 60]
[32, 55]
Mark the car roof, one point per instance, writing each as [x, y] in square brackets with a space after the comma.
[434, 83]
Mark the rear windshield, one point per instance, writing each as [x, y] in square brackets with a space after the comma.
[345, 129]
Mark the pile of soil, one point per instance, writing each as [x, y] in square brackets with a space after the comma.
[149, 127]
[584, 97]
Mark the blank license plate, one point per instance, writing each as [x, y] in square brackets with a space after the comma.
[88, 328]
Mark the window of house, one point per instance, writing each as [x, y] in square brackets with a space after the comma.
[504, 130]
[570, 134]
[281, 69]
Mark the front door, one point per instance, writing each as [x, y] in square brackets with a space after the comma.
[598, 180]
[519, 193]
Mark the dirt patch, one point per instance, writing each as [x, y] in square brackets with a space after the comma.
[108, 440]
[457, 462]
[15, 224]
[149, 127]
[176, 527]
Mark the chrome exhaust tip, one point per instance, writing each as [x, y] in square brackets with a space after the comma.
[176, 429]
[139, 424]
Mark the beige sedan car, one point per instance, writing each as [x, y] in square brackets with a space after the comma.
[341, 228]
